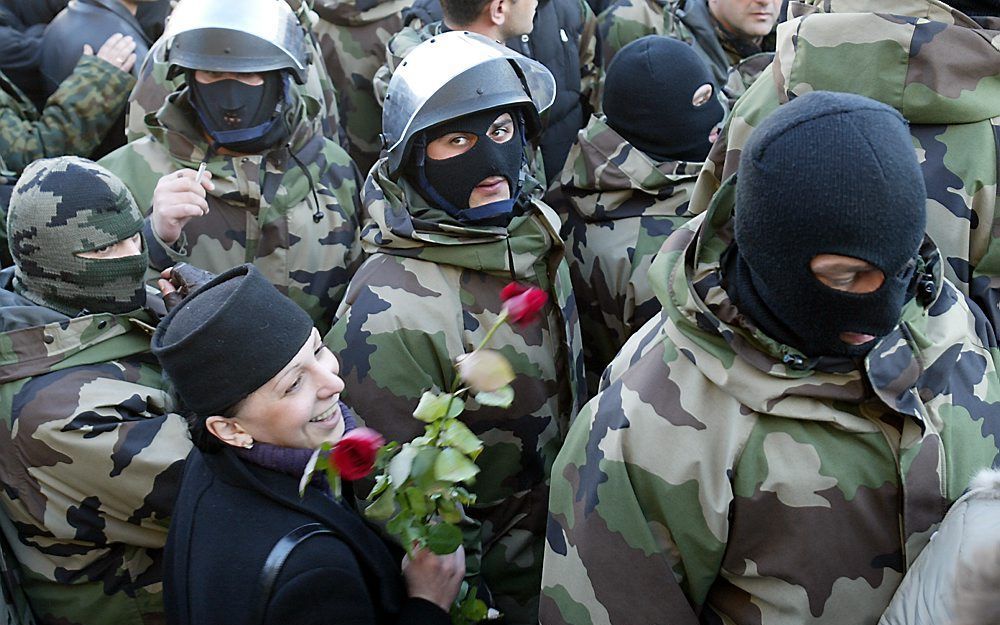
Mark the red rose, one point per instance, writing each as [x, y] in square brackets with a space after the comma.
[523, 303]
[354, 455]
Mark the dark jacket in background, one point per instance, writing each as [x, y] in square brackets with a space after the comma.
[20, 54]
[89, 22]
[555, 43]
[226, 520]
[31, 12]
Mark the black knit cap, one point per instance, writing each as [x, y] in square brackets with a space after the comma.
[647, 99]
[228, 338]
[976, 8]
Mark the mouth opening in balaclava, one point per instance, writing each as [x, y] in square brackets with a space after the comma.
[241, 117]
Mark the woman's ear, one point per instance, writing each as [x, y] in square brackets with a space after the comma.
[229, 431]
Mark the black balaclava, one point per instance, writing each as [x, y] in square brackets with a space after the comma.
[447, 184]
[828, 173]
[647, 99]
[241, 117]
[977, 8]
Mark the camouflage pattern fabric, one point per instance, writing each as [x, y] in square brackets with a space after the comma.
[90, 459]
[934, 65]
[429, 292]
[75, 118]
[618, 207]
[720, 478]
[686, 20]
[153, 86]
[292, 213]
[353, 35]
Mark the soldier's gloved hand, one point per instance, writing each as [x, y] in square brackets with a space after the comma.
[176, 200]
[181, 280]
[119, 50]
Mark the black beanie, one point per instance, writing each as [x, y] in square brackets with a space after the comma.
[828, 173]
[228, 338]
[647, 99]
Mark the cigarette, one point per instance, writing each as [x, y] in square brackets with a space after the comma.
[201, 172]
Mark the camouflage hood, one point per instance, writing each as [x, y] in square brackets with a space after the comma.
[397, 220]
[357, 12]
[35, 340]
[602, 161]
[762, 373]
[928, 61]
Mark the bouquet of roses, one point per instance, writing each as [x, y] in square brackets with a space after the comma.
[421, 486]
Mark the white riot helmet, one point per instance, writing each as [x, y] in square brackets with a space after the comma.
[455, 74]
[244, 36]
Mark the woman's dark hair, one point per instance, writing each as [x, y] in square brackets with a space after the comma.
[200, 436]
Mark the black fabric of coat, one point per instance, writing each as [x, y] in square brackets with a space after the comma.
[20, 54]
[228, 517]
[555, 43]
[89, 22]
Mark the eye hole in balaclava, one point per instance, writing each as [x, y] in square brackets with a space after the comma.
[243, 117]
[479, 161]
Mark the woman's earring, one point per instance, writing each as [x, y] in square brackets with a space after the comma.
[248, 444]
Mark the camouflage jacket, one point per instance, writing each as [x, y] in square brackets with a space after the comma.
[75, 118]
[292, 213]
[935, 66]
[429, 292]
[353, 35]
[688, 20]
[725, 478]
[90, 460]
[153, 86]
[618, 207]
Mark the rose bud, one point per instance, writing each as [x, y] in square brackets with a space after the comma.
[354, 455]
[485, 370]
[523, 304]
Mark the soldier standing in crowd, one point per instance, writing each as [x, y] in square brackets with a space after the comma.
[90, 457]
[953, 107]
[725, 33]
[274, 191]
[626, 186]
[448, 225]
[560, 34]
[779, 444]
[90, 22]
[353, 35]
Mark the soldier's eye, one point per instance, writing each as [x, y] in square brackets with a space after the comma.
[103, 250]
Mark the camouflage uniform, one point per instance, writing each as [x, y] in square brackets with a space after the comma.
[153, 86]
[90, 460]
[717, 478]
[618, 207]
[292, 213]
[429, 292]
[734, 65]
[353, 35]
[940, 71]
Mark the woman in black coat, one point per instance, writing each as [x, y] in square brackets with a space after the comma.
[244, 547]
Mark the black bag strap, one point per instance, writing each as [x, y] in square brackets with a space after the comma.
[276, 561]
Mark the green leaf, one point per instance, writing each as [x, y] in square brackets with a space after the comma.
[431, 407]
[417, 502]
[457, 407]
[448, 510]
[443, 538]
[456, 434]
[453, 466]
[400, 465]
[501, 398]
[382, 482]
[423, 470]
[383, 507]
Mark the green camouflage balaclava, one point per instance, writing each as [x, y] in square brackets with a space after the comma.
[61, 207]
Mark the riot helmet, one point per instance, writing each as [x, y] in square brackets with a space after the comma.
[455, 74]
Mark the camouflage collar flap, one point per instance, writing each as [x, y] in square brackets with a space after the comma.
[931, 63]
[602, 160]
[84, 340]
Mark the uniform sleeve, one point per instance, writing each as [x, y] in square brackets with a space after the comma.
[590, 61]
[74, 120]
[619, 530]
[616, 30]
